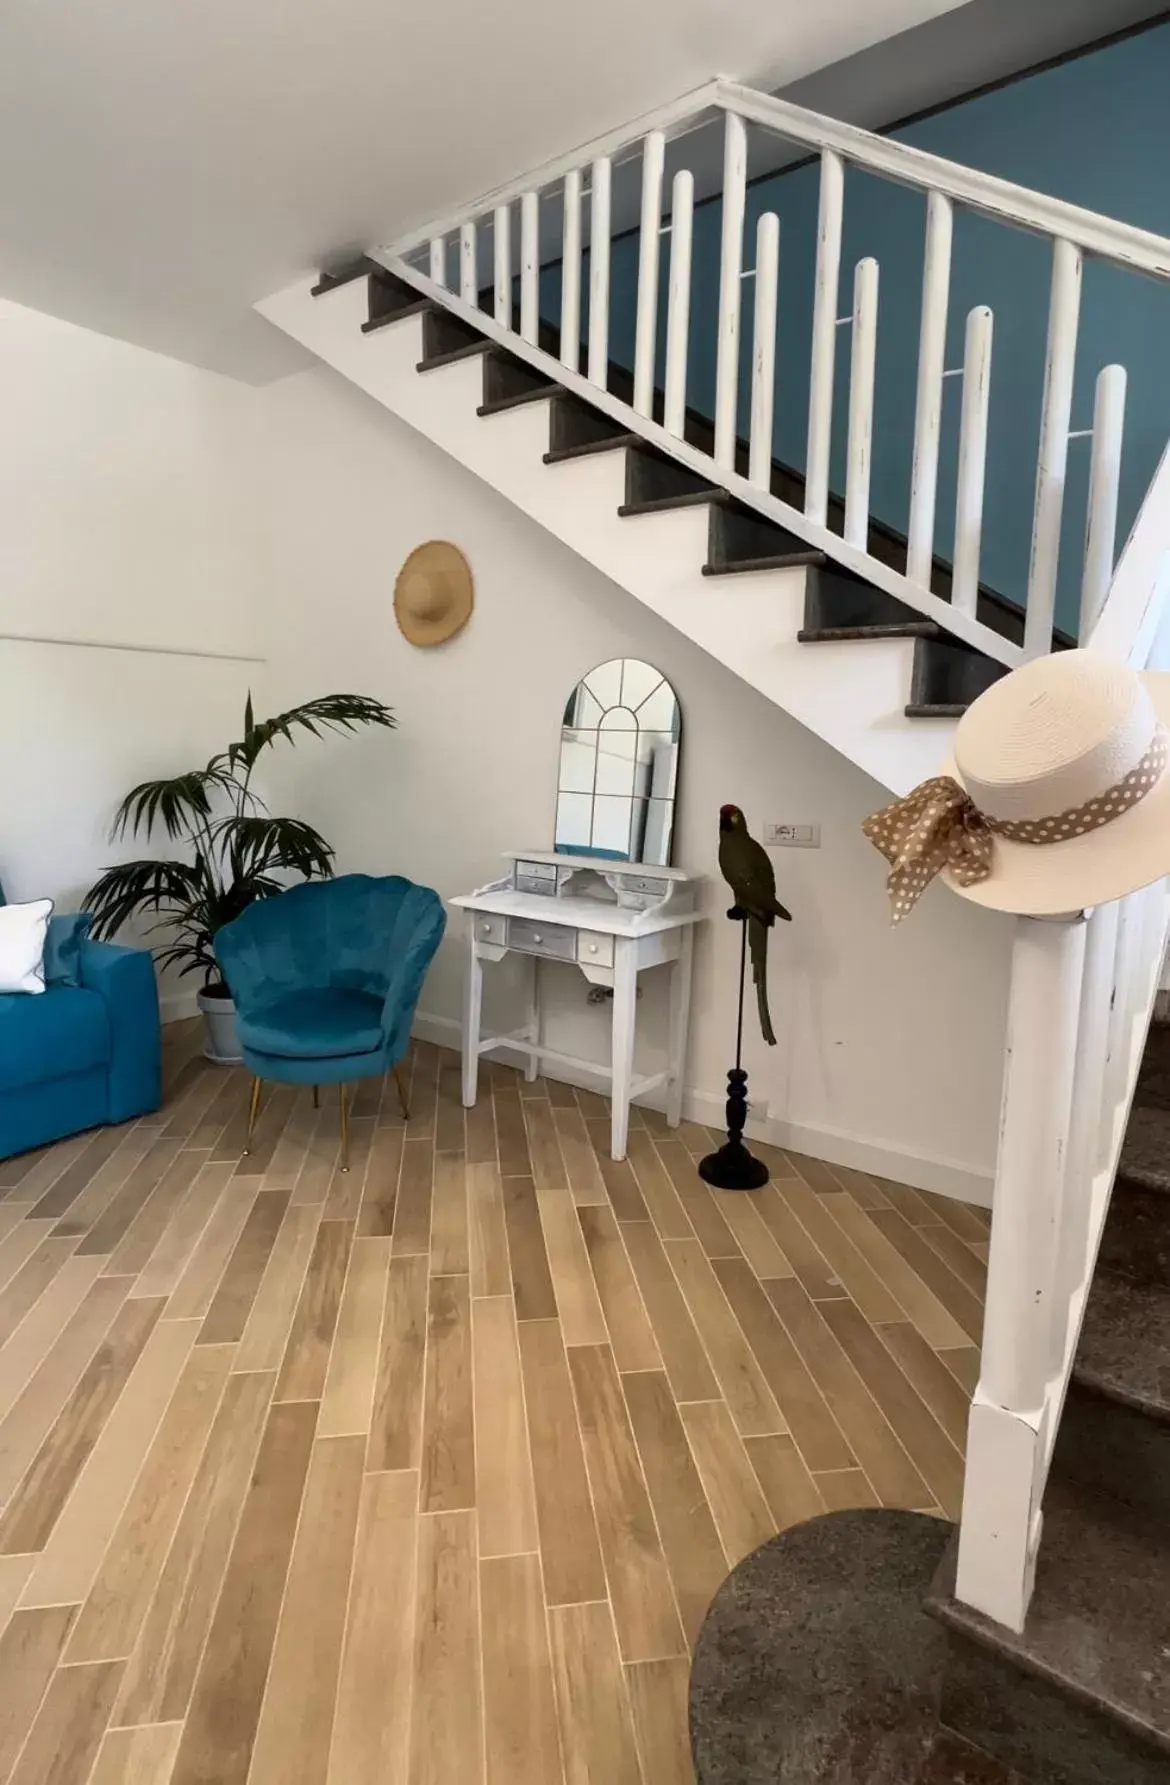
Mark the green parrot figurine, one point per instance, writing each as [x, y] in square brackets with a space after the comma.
[747, 869]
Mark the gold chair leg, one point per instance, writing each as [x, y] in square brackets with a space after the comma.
[316, 1096]
[253, 1112]
[400, 1081]
[345, 1127]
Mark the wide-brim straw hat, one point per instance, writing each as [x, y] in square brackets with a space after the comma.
[434, 593]
[1057, 797]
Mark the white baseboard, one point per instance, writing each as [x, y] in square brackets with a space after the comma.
[945, 1177]
[175, 1007]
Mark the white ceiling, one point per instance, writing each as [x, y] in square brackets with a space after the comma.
[164, 163]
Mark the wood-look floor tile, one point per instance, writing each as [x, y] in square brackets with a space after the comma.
[63, 1742]
[789, 1489]
[228, 1101]
[929, 1375]
[963, 1218]
[43, 1325]
[640, 1590]
[18, 1246]
[315, 1178]
[195, 1290]
[231, 1304]
[480, 1130]
[310, 1340]
[446, 1725]
[742, 1516]
[275, 1109]
[752, 1404]
[112, 1225]
[288, 1155]
[271, 1315]
[521, 1742]
[871, 1437]
[937, 1326]
[544, 1147]
[816, 1214]
[47, 1166]
[488, 1237]
[961, 1304]
[621, 1186]
[581, 1164]
[164, 1268]
[582, 1322]
[449, 1239]
[597, 1730]
[347, 1401]
[75, 1178]
[105, 1184]
[561, 1095]
[296, 1722]
[372, 1725]
[376, 1216]
[910, 1204]
[844, 1489]
[564, 1510]
[126, 1576]
[741, 1212]
[161, 1675]
[659, 1696]
[818, 1436]
[630, 1334]
[138, 1756]
[819, 1177]
[532, 1283]
[511, 1133]
[14, 1572]
[73, 1552]
[412, 1215]
[343, 1199]
[808, 1262]
[963, 1362]
[367, 1097]
[220, 1730]
[29, 1282]
[863, 1188]
[36, 1505]
[447, 1479]
[685, 1360]
[702, 1210]
[936, 1459]
[14, 1171]
[423, 1090]
[960, 1256]
[694, 1553]
[396, 1421]
[504, 1494]
[591, 1103]
[658, 1193]
[30, 1648]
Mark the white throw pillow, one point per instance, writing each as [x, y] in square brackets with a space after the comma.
[23, 929]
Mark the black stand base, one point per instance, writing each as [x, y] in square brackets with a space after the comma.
[733, 1167]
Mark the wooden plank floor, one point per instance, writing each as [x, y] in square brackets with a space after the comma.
[427, 1473]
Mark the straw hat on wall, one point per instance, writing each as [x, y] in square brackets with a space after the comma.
[434, 593]
[1057, 799]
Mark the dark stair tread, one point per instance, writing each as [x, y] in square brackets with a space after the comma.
[516, 400]
[344, 274]
[936, 709]
[1099, 1623]
[585, 449]
[683, 499]
[420, 305]
[812, 635]
[452, 355]
[778, 561]
[1124, 1350]
[1145, 1151]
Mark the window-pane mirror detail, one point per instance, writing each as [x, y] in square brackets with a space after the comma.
[619, 764]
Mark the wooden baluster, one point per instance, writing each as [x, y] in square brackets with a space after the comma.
[653, 154]
[678, 305]
[599, 200]
[439, 260]
[571, 272]
[764, 349]
[503, 266]
[468, 280]
[530, 267]
[972, 461]
[1063, 317]
[730, 268]
[1104, 483]
[861, 376]
[932, 345]
[824, 338]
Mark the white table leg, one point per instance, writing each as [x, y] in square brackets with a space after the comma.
[532, 1070]
[680, 1010]
[472, 1015]
[625, 992]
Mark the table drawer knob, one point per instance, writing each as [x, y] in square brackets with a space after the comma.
[536, 936]
[593, 948]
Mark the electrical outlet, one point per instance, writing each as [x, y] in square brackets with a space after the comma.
[792, 836]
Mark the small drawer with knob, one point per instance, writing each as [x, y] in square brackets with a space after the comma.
[530, 937]
[594, 949]
[490, 929]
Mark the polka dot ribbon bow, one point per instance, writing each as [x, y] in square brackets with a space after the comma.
[936, 826]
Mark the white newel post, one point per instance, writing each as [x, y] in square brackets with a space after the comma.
[1007, 1432]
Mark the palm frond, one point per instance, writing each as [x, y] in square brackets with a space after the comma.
[257, 845]
[329, 712]
[170, 887]
[181, 804]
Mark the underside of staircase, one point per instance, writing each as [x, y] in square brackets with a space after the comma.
[878, 681]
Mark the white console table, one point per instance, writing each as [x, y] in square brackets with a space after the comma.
[611, 943]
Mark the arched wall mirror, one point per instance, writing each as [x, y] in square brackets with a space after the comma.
[620, 742]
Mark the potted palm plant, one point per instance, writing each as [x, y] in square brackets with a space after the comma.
[234, 851]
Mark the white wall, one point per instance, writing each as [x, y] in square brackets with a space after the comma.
[130, 578]
[891, 1044]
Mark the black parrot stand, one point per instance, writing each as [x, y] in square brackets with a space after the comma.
[733, 1167]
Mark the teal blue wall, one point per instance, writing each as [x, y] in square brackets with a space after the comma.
[1095, 131]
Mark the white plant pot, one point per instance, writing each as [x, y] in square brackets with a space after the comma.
[219, 1019]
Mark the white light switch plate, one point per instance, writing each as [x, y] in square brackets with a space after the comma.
[792, 836]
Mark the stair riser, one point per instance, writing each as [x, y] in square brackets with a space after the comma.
[1116, 1450]
[945, 675]
[1136, 1241]
[1033, 1726]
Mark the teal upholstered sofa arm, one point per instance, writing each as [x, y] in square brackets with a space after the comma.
[124, 980]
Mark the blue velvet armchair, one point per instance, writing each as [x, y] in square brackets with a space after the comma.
[326, 978]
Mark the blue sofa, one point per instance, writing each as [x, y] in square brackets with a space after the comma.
[85, 1051]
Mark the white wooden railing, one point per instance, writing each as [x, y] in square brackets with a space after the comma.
[427, 257]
